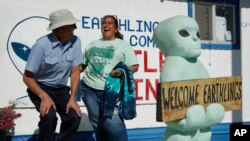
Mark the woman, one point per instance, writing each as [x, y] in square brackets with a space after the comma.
[100, 57]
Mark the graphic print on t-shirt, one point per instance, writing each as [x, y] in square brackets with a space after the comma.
[100, 57]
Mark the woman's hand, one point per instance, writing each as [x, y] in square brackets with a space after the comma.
[116, 73]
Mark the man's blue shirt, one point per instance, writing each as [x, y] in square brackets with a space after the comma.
[51, 61]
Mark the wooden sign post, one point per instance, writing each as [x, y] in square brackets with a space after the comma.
[174, 98]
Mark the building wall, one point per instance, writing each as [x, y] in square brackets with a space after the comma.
[245, 34]
[25, 21]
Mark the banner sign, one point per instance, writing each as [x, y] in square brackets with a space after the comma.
[174, 98]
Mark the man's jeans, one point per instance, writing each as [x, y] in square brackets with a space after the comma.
[47, 124]
[108, 129]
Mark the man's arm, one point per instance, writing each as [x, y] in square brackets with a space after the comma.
[74, 83]
[46, 101]
[82, 67]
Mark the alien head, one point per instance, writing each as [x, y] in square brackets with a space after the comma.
[178, 36]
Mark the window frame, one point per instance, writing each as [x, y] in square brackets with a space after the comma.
[210, 44]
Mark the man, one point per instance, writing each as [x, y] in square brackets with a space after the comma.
[54, 59]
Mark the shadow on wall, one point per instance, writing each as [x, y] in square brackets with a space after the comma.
[245, 4]
[220, 132]
[85, 124]
[81, 134]
[85, 136]
[236, 71]
[174, 0]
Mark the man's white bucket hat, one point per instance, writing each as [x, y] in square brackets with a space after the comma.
[60, 18]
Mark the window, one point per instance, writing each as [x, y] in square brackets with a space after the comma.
[218, 22]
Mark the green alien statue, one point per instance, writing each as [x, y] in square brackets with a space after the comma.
[178, 39]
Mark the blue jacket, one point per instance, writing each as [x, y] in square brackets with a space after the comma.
[120, 92]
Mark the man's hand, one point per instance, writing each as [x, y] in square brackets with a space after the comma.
[73, 104]
[46, 103]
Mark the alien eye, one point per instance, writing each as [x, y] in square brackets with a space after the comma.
[183, 33]
[198, 34]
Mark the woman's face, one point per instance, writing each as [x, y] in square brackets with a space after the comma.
[109, 28]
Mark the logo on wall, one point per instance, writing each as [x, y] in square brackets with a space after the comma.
[22, 37]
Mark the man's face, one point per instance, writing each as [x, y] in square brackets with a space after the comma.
[64, 33]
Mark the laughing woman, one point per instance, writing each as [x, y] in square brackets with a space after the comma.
[99, 59]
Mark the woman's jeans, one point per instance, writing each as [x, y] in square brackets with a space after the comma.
[106, 129]
[47, 124]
